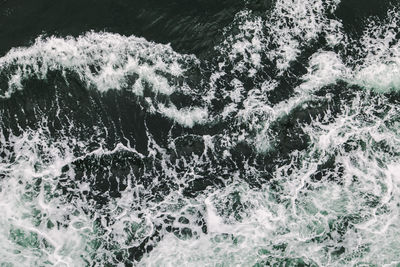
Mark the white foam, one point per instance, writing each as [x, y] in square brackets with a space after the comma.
[279, 35]
[348, 217]
[28, 209]
[185, 116]
[104, 61]
[304, 218]
[379, 70]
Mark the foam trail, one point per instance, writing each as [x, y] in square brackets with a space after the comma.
[307, 221]
[242, 192]
[104, 61]
[30, 214]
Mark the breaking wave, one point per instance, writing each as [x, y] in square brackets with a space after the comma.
[280, 148]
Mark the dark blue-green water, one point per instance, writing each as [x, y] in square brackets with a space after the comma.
[200, 133]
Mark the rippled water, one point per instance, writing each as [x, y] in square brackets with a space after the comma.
[229, 133]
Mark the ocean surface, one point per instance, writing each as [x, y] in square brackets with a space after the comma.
[199, 133]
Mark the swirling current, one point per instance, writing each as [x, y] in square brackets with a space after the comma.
[200, 133]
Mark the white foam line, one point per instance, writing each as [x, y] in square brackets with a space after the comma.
[115, 59]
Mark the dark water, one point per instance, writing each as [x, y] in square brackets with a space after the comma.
[199, 133]
[190, 26]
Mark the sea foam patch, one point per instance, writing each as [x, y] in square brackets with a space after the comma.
[103, 61]
[379, 69]
[317, 186]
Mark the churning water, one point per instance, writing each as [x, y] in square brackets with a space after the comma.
[260, 134]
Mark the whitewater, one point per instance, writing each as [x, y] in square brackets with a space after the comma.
[280, 149]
